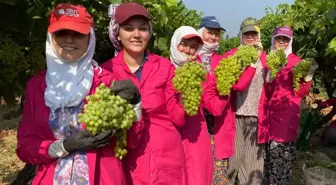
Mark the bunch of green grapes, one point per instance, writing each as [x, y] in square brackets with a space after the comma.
[227, 73]
[188, 81]
[275, 61]
[300, 71]
[246, 55]
[105, 111]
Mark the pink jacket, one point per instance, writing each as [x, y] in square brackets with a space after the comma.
[196, 139]
[225, 124]
[283, 106]
[158, 157]
[35, 136]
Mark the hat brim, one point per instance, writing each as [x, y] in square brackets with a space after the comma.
[130, 16]
[277, 35]
[70, 25]
[200, 40]
[215, 27]
[250, 28]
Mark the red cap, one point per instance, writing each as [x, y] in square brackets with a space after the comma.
[200, 40]
[127, 10]
[70, 17]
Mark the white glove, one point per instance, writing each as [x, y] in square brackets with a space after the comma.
[254, 65]
[259, 45]
[137, 110]
[311, 71]
[56, 149]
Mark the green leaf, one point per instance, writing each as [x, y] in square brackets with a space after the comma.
[331, 15]
[162, 44]
[10, 2]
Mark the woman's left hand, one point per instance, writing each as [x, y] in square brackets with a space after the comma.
[127, 90]
[311, 71]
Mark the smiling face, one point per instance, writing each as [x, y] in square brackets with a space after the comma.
[250, 38]
[134, 34]
[211, 35]
[188, 46]
[70, 45]
[281, 42]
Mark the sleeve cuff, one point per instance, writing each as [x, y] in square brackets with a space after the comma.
[137, 110]
[56, 149]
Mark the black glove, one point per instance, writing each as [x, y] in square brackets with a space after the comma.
[84, 140]
[126, 90]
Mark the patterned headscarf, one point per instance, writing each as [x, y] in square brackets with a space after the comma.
[113, 29]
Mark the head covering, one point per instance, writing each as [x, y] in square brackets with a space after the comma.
[207, 48]
[114, 11]
[210, 22]
[68, 83]
[128, 10]
[177, 57]
[249, 24]
[283, 31]
[70, 17]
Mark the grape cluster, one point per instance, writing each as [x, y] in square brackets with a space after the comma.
[229, 69]
[247, 55]
[105, 111]
[276, 60]
[188, 81]
[300, 71]
[227, 73]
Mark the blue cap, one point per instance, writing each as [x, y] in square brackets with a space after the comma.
[210, 22]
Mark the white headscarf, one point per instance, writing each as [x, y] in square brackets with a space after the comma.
[68, 83]
[288, 50]
[207, 48]
[177, 57]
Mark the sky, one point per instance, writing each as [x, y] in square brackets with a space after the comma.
[230, 13]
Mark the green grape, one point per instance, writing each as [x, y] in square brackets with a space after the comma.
[300, 71]
[276, 60]
[105, 111]
[246, 55]
[227, 73]
[188, 81]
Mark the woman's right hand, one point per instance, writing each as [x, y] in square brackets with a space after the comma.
[84, 140]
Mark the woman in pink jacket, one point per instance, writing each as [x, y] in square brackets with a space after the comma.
[157, 157]
[196, 141]
[210, 30]
[49, 134]
[283, 111]
[238, 131]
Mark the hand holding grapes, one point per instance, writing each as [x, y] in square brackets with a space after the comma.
[190, 59]
[311, 71]
[126, 90]
[259, 45]
[84, 140]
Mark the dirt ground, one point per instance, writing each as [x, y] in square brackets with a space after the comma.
[10, 165]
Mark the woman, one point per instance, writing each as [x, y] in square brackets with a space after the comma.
[157, 157]
[185, 43]
[210, 30]
[49, 134]
[283, 110]
[235, 131]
